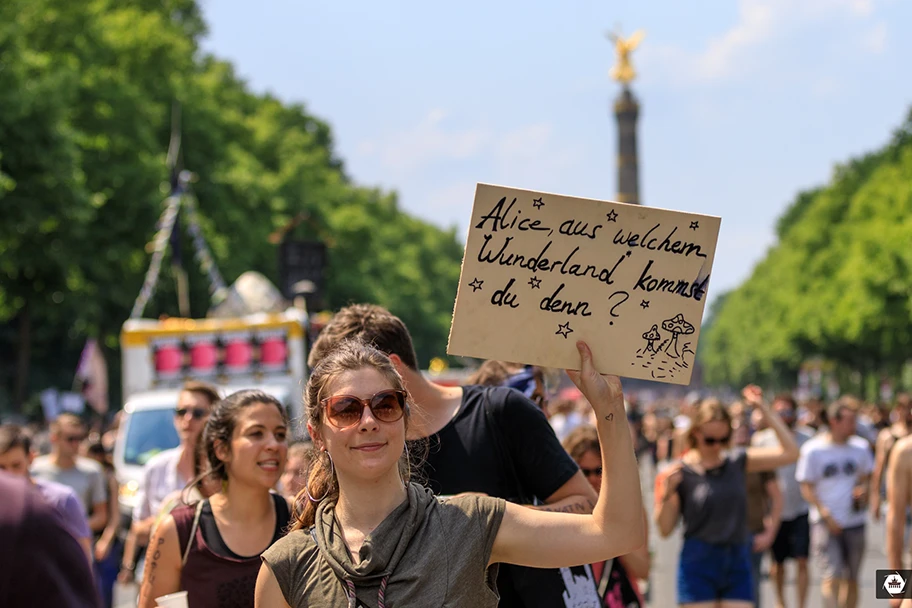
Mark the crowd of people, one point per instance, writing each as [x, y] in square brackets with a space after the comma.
[501, 492]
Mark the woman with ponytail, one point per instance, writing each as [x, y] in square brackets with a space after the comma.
[212, 549]
[364, 535]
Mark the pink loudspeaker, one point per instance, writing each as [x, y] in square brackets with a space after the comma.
[238, 354]
[203, 357]
[273, 352]
[168, 359]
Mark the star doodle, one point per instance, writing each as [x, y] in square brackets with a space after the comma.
[645, 304]
[475, 285]
[612, 216]
[564, 329]
[694, 225]
[535, 282]
[537, 203]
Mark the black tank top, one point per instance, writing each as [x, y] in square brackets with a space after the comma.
[213, 537]
[214, 576]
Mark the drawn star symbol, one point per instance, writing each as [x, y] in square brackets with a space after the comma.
[564, 329]
[694, 225]
[537, 203]
[475, 285]
[612, 216]
[535, 282]
[645, 304]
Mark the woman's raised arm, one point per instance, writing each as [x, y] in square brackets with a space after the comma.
[770, 458]
[550, 540]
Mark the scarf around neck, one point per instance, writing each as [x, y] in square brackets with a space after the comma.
[382, 550]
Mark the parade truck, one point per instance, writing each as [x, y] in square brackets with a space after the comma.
[266, 351]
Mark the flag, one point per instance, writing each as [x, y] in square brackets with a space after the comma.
[92, 374]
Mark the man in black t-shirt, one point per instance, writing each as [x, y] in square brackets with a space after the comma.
[489, 440]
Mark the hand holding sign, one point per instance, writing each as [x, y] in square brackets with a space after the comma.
[603, 392]
[541, 271]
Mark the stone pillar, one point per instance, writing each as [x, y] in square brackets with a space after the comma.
[626, 110]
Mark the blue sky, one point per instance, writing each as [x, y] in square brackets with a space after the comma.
[743, 103]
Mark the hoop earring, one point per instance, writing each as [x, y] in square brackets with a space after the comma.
[332, 474]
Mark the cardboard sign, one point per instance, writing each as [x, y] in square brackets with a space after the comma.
[542, 270]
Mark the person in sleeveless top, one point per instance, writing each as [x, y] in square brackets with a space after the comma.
[212, 549]
[365, 536]
[707, 489]
[886, 439]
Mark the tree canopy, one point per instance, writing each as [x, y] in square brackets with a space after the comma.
[86, 92]
[837, 284]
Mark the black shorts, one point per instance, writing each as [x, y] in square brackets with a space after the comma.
[793, 540]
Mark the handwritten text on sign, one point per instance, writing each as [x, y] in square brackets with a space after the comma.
[542, 270]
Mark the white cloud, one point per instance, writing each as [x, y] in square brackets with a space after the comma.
[862, 7]
[427, 141]
[524, 142]
[756, 23]
[531, 156]
[760, 24]
[450, 205]
[875, 39]
[825, 87]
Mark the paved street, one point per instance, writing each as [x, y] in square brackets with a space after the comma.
[665, 562]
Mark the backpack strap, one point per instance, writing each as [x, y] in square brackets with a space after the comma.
[605, 578]
[196, 519]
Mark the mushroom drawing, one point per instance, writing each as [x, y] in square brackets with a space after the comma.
[651, 336]
[677, 326]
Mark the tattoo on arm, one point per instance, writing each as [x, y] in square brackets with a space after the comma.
[155, 557]
[609, 417]
[576, 507]
[153, 554]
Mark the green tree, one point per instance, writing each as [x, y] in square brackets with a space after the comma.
[836, 285]
[86, 94]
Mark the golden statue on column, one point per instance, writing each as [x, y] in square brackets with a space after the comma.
[623, 70]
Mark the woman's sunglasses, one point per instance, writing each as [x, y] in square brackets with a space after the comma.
[590, 472]
[715, 440]
[343, 411]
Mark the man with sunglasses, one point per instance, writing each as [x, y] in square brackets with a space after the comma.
[171, 470]
[83, 475]
[490, 440]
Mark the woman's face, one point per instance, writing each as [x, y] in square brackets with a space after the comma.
[369, 448]
[590, 463]
[258, 446]
[713, 437]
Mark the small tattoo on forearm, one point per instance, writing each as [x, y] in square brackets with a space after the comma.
[609, 417]
[571, 508]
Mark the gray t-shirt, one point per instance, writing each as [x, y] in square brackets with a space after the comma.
[714, 503]
[441, 558]
[793, 504]
[86, 479]
[64, 501]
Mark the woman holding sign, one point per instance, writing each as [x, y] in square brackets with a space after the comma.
[708, 488]
[366, 536]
